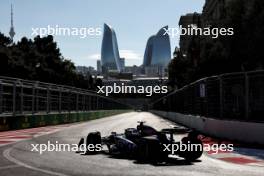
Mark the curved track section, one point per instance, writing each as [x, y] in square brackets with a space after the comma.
[18, 159]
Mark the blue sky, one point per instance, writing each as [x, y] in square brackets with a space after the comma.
[134, 21]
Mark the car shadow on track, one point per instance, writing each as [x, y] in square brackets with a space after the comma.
[171, 161]
[167, 162]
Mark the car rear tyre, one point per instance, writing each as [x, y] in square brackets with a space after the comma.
[194, 151]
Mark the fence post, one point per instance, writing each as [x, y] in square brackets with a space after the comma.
[48, 100]
[83, 102]
[1, 97]
[97, 103]
[246, 97]
[14, 98]
[69, 101]
[36, 97]
[21, 99]
[206, 98]
[221, 98]
[33, 98]
[77, 102]
[59, 100]
[89, 103]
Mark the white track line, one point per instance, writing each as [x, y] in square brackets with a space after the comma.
[7, 155]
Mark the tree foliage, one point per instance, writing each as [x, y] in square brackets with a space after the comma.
[38, 59]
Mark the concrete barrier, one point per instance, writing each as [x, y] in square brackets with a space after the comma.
[246, 132]
[39, 120]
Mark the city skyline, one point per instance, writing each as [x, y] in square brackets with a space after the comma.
[131, 40]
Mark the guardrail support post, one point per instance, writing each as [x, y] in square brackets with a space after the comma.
[14, 98]
[33, 98]
[89, 102]
[60, 100]
[77, 102]
[37, 97]
[97, 103]
[246, 97]
[22, 99]
[69, 101]
[48, 100]
[1, 97]
[83, 102]
[221, 98]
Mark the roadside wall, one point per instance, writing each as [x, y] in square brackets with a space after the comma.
[246, 132]
[38, 120]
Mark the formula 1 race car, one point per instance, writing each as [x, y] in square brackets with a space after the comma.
[144, 143]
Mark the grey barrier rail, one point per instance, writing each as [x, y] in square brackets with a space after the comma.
[234, 96]
[20, 97]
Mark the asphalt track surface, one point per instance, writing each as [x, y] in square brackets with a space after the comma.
[18, 159]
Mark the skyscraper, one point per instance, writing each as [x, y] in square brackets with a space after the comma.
[122, 63]
[99, 66]
[109, 52]
[12, 30]
[157, 53]
[158, 50]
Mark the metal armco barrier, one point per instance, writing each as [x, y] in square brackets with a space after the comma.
[234, 96]
[21, 97]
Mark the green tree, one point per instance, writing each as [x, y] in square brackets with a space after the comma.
[38, 59]
[178, 69]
